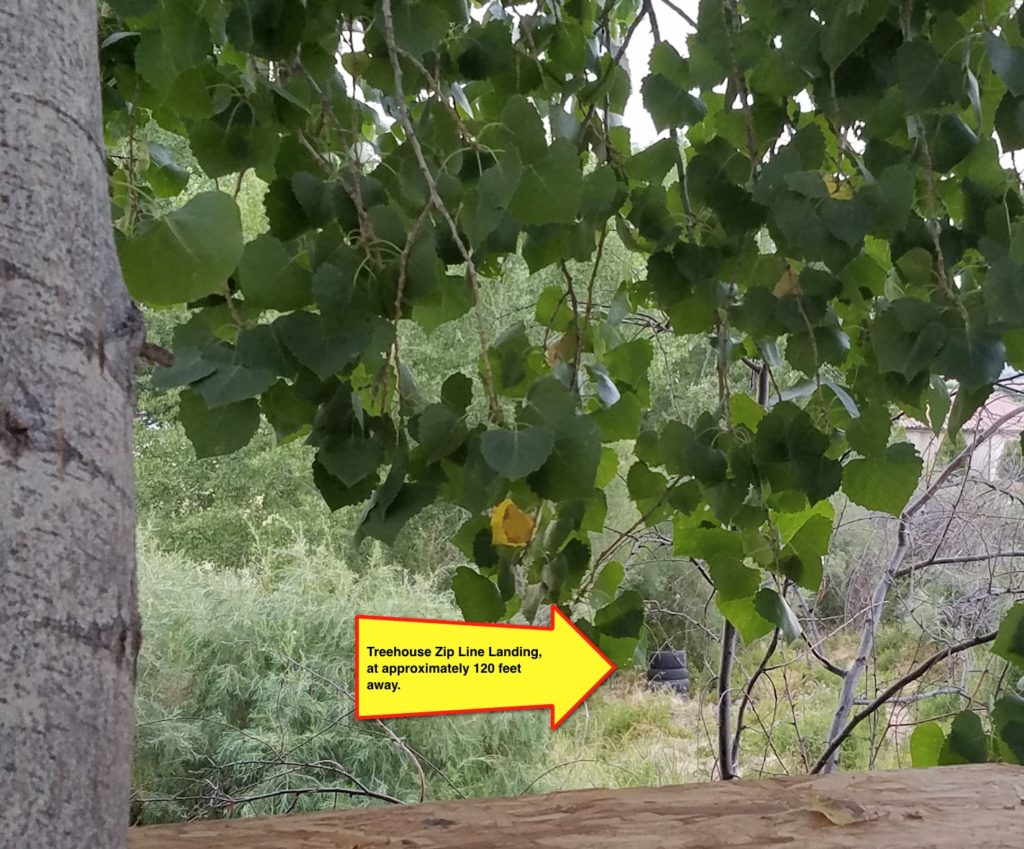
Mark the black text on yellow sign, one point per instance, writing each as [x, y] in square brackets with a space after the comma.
[426, 667]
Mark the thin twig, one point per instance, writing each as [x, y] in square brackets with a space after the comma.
[684, 193]
[681, 13]
[439, 205]
[747, 693]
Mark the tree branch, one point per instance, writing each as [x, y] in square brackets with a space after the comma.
[837, 732]
[439, 205]
[156, 355]
[891, 690]
[966, 558]
[725, 746]
[673, 133]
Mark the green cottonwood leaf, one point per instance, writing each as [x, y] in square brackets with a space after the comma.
[1007, 61]
[927, 80]
[181, 42]
[669, 104]
[450, 299]
[323, 345]
[691, 537]
[967, 742]
[516, 453]
[926, 744]
[189, 366]
[689, 452]
[287, 411]
[352, 459]
[418, 27]
[743, 614]
[975, 360]
[1004, 293]
[1008, 725]
[651, 164]
[271, 278]
[806, 536]
[222, 430]
[509, 358]
[221, 150]
[457, 392]
[624, 617]
[571, 470]
[607, 583]
[384, 518]
[166, 177]
[732, 579]
[187, 254]
[964, 406]
[791, 453]
[645, 487]
[602, 194]
[477, 597]
[1010, 122]
[268, 28]
[773, 607]
[335, 493]
[884, 481]
[1009, 643]
[521, 126]
[847, 28]
[549, 189]
[233, 381]
[868, 434]
[621, 420]
[439, 431]
[907, 336]
[952, 142]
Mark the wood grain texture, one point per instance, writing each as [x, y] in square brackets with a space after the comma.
[944, 808]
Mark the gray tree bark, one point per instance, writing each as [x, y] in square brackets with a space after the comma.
[69, 335]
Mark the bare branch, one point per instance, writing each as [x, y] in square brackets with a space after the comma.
[725, 745]
[966, 558]
[829, 761]
[894, 688]
[156, 355]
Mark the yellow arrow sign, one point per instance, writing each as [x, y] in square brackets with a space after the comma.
[426, 667]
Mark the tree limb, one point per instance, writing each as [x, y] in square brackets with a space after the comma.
[725, 745]
[837, 732]
[891, 690]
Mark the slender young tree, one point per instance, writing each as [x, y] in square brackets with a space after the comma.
[69, 336]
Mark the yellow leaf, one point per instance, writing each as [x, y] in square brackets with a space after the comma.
[563, 349]
[789, 284]
[510, 526]
[839, 189]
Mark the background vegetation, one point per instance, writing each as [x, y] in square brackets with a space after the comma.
[716, 340]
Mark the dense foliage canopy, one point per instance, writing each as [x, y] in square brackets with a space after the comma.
[832, 199]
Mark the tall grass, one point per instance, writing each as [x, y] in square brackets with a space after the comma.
[245, 674]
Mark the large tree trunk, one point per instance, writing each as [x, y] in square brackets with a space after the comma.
[69, 335]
